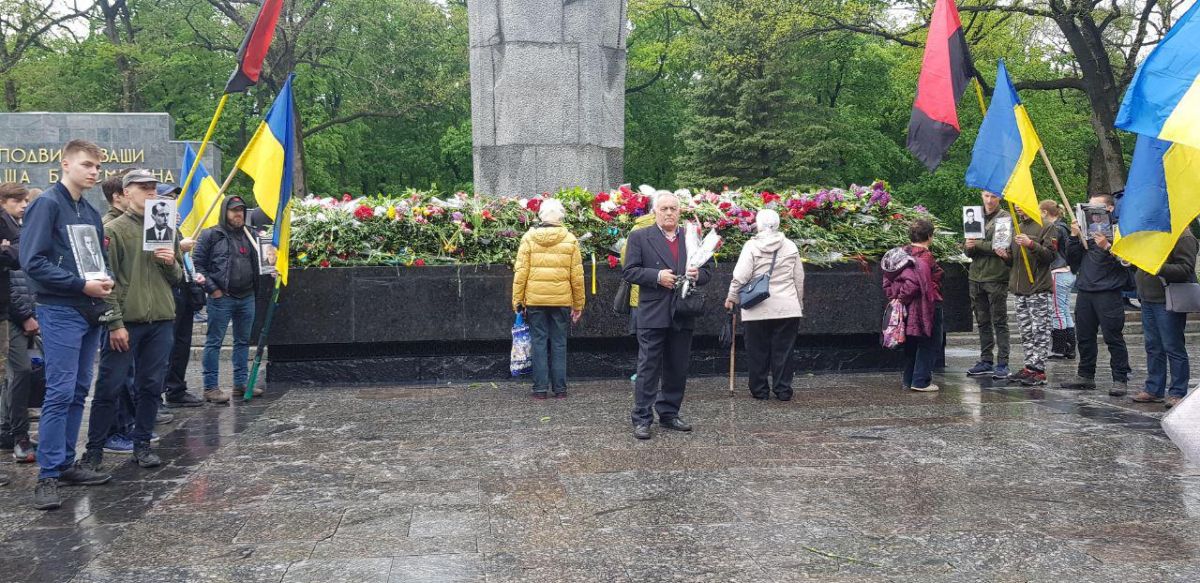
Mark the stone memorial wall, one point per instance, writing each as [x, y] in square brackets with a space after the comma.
[31, 146]
[547, 94]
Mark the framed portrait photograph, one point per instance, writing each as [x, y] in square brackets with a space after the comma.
[1096, 219]
[266, 256]
[88, 251]
[159, 224]
[973, 222]
[1002, 236]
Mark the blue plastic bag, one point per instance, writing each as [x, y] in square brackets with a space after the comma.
[521, 357]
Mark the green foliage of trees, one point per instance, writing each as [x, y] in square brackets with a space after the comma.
[770, 94]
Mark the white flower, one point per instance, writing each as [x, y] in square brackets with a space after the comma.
[380, 211]
[647, 190]
[321, 216]
[608, 206]
[524, 202]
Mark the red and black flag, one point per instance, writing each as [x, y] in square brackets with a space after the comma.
[254, 49]
[945, 72]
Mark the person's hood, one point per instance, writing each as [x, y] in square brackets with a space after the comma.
[769, 242]
[548, 235]
[895, 260]
[224, 213]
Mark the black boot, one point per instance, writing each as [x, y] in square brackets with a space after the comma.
[1058, 344]
[1069, 337]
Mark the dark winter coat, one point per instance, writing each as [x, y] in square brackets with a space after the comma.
[46, 255]
[23, 300]
[214, 251]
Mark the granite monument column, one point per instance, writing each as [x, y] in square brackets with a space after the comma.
[547, 94]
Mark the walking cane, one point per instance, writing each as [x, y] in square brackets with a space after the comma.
[732, 346]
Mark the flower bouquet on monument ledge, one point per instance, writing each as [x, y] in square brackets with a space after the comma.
[418, 228]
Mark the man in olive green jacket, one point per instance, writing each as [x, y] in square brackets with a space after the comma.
[988, 278]
[140, 325]
[1033, 287]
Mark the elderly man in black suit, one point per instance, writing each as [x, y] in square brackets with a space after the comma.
[656, 260]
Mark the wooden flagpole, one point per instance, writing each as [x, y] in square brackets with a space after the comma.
[1012, 209]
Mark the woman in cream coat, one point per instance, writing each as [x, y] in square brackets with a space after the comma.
[771, 326]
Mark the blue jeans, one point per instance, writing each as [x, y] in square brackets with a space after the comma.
[69, 345]
[548, 329]
[1062, 316]
[146, 360]
[921, 354]
[1165, 345]
[221, 311]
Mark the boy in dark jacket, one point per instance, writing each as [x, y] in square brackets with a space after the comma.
[14, 404]
[70, 310]
[1165, 345]
[1033, 295]
[228, 259]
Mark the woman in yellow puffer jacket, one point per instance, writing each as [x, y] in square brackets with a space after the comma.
[548, 286]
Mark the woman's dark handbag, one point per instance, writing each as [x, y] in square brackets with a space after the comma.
[758, 289]
[621, 300]
[1183, 298]
[690, 306]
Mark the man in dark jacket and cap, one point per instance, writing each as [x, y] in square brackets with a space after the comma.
[227, 258]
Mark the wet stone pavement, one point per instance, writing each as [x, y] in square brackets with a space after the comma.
[852, 481]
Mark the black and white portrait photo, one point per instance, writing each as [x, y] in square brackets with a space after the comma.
[973, 222]
[159, 223]
[89, 254]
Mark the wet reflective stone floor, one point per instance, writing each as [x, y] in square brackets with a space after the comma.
[852, 481]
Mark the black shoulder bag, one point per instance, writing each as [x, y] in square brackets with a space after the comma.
[758, 289]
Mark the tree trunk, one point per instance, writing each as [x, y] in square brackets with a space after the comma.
[1107, 172]
[10, 94]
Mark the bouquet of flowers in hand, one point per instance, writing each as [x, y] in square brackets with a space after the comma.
[699, 252]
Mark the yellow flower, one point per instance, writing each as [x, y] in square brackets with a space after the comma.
[391, 213]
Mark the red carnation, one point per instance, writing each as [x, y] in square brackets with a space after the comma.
[613, 261]
[419, 263]
[364, 212]
[724, 205]
[346, 197]
[626, 190]
[768, 197]
[324, 263]
[798, 213]
[602, 197]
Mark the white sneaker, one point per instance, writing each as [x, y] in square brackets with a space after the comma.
[930, 389]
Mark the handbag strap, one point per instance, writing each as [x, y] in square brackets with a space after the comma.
[771, 269]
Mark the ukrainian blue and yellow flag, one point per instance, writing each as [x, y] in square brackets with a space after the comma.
[271, 159]
[1161, 199]
[1005, 149]
[198, 197]
[1162, 105]
[1163, 101]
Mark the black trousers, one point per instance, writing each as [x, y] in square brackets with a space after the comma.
[769, 353]
[1103, 312]
[663, 358]
[181, 349]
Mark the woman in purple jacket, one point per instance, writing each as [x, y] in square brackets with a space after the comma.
[912, 275]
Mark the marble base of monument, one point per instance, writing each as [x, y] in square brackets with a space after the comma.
[420, 325]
